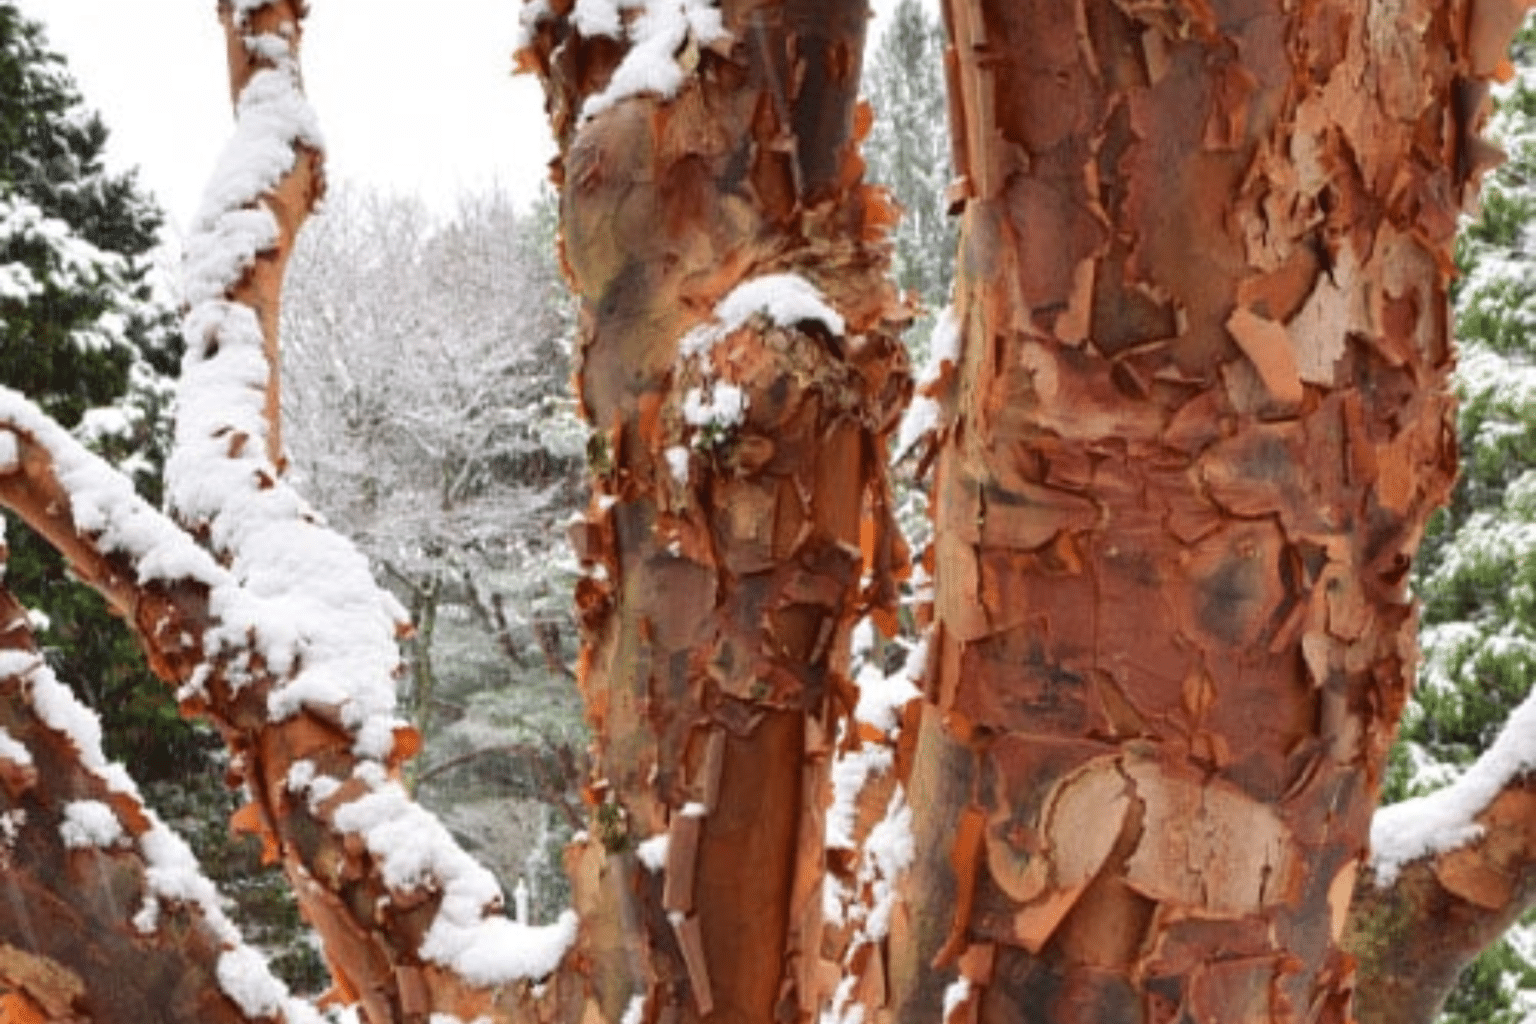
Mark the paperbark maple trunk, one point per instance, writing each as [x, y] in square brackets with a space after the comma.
[738, 476]
[1193, 431]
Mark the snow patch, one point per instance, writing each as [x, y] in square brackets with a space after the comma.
[12, 750]
[89, 824]
[244, 977]
[653, 852]
[11, 823]
[785, 299]
[415, 850]
[943, 346]
[955, 995]
[677, 462]
[598, 18]
[888, 852]
[849, 774]
[656, 35]
[724, 406]
[919, 419]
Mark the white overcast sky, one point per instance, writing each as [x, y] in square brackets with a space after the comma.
[411, 103]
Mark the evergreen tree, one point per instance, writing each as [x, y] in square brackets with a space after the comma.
[908, 151]
[1477, 567]
[83, 333]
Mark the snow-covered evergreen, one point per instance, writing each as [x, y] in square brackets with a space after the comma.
[1476, 572]
[908, 151]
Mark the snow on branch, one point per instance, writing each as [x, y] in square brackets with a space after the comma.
[238, 628]
[1448, 818]
[268, 620]
[98, 811]
[325, 636]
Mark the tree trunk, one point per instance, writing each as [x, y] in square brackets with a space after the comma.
[738, 472]
[1195, 425]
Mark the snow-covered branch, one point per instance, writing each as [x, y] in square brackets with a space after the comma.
[1448, 873]
[308, 716]
[268, 622]
[75, 833]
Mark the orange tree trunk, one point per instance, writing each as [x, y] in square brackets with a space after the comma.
[1195, 425]
[739, 368]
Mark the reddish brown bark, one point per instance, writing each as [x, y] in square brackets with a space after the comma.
[720, 593]
[1197, 423]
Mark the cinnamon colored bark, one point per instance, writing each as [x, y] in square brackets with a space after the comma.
[1197, 423]
[69, 948]
[724, 560]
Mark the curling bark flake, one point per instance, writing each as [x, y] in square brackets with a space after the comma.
[739, 366]
[1197, 424]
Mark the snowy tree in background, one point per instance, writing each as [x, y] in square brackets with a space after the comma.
[908, 151]
[84, 329]
[428, 414]
[1477, 568]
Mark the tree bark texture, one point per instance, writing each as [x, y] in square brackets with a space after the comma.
[724, 565]
[1196, 424]
[69, 947]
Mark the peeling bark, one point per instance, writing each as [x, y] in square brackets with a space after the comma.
[1197, 424]
[725, 555]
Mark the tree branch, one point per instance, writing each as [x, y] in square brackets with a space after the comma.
[1449, 873]
[321, 764]
[106, 919]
